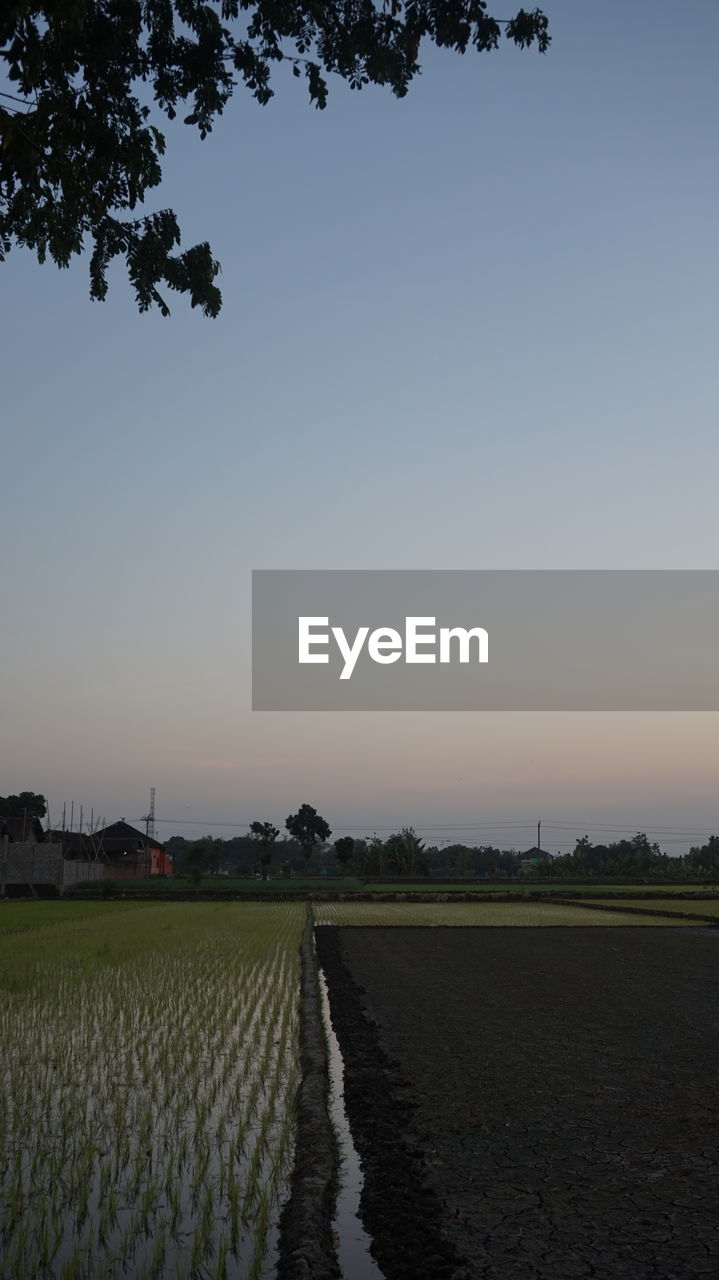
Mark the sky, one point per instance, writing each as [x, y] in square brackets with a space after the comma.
[474, 328]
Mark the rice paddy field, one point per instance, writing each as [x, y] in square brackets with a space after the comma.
[506, 914]
[150, 1062]
[16, 917]
[149, 1065]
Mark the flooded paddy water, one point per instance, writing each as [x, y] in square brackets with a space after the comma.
[352, 1241]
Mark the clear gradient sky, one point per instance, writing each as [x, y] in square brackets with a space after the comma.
[476, 328]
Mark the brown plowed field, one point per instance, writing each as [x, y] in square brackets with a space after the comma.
[536, 1104]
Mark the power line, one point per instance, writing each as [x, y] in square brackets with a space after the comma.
[450, 826]
[510, 831]
[547, 824]
[605, 826]
[25, 102]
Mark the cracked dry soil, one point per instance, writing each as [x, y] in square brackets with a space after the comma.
[536, 1104]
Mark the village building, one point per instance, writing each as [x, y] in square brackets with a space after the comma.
[129, 853]
[33, 861]
[22, 830]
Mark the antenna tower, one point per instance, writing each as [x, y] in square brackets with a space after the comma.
[150, 816]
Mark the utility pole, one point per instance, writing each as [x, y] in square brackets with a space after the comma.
[539, 835]
[150, 829]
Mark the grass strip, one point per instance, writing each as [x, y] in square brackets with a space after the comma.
[673, 913]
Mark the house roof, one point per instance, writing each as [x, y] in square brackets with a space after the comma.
[125, 838]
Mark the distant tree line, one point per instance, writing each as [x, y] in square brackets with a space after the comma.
[259, 852]
[263, 852]
[237, 856]
[636, 856]
[306, 849]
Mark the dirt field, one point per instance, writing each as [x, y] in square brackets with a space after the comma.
[539, 1104]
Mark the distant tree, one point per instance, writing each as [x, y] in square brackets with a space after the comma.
[177, 847]
[196, 862]
[360, 857]
[374, 856]
[344, 848]
[414, 851]
[213, 846]
[633, 856]
[308, 829]
[510, 860]
[264, 834]
[705, 856]
[239, 855]
[203, 857]
[393, 855]
[641, 842]
[88, 83]
[589, 859]
[404, 852]
[486, 860]
[28, 804]
[480, 860]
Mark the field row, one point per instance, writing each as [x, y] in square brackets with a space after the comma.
[692, 907]
[489, 914]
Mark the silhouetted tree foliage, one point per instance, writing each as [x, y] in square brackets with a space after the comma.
[80, 147]
[265, 835]
[308, 829]
[479, 860]
[632, 857]
[343, 849]
[236, 856]
[404, 853]
[705, 857]
[28, 804]
[199, 858]
[196, 862]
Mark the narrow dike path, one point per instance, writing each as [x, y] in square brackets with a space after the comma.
[307, 1249]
